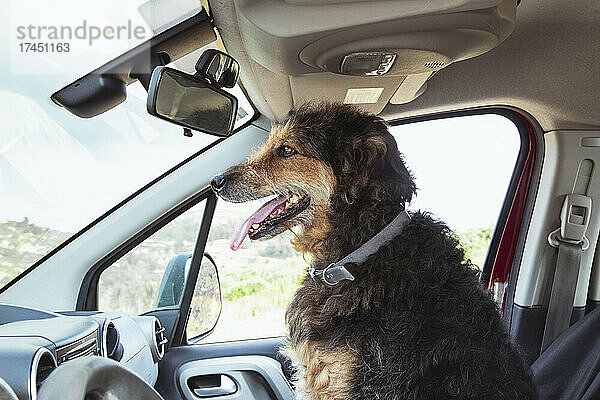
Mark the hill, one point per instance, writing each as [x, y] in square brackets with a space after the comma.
[257, 281]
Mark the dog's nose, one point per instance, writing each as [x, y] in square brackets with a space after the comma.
[217, 182]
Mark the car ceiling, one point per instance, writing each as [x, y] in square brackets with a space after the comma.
[548, 67]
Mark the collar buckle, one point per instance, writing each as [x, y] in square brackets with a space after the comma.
[331, 275]
[336, 272]
[328, 275]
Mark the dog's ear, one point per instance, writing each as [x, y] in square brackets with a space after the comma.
[373, 160]
[392, 172]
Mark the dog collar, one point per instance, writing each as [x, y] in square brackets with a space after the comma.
[336, 272]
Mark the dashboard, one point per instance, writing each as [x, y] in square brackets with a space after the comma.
[34, 342]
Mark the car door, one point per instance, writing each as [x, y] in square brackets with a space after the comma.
[247, 369]
[239, 357]
[165, 271]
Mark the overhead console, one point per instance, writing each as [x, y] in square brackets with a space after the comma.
[390, 47]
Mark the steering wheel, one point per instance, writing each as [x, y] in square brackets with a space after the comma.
[95, 378]
[6, 393]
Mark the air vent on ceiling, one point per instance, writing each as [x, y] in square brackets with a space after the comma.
[434, 64]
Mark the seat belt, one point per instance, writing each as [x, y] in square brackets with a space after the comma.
[571, 243]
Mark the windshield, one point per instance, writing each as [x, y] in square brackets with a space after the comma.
[59, 172]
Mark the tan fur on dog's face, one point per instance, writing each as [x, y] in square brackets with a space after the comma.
[267, 173]
[298, 171]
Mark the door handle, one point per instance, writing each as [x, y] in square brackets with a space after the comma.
[205, 386]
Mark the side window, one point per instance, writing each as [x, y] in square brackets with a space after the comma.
[257, 281]
[152, 275]
[462, 167]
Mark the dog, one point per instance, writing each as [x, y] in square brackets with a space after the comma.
[415, 323]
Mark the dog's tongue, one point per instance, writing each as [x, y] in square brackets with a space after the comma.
[259, 216]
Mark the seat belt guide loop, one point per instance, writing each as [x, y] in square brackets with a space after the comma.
[574, 220]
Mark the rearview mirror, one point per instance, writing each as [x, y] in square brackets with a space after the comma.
[191, 102]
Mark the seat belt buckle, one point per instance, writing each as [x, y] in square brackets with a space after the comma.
[574, 220]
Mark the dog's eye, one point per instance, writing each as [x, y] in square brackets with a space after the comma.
[285, 151]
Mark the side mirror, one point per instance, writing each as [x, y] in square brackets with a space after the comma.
[190, 101]
[172, 284]
[205, 307]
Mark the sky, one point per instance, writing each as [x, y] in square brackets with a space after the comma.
[462, 166]
[58, 170]
[62, 172]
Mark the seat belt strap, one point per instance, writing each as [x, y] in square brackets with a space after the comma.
[564, 284]
[571, 242]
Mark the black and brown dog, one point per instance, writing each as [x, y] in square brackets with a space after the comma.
[415, 323]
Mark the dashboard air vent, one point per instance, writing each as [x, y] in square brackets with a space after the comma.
[86, 346]
[41, 367]
[159, 338]
[111, 342]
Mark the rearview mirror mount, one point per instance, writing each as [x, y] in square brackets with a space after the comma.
[219, 68]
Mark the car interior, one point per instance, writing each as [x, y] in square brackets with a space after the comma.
[534, 62]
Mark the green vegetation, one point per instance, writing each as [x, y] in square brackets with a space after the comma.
[22, 244]
[476, 242]
[257, 281]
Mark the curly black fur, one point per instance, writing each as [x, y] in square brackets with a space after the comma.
[422, 325]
